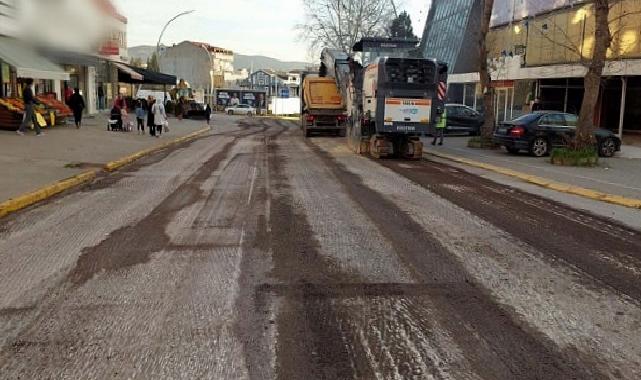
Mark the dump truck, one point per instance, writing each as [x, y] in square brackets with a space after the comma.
[392, 96]
[322, 106]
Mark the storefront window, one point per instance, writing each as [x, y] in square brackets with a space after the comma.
[5, 79]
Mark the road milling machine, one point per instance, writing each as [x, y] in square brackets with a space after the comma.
[391, 98]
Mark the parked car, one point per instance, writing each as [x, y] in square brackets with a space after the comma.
[241, 109]
[463, 119]
[541, 131]
[194, 110]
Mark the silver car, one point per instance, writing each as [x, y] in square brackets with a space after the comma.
[241, 109]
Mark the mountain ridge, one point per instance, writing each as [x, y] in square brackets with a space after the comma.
[241, 61]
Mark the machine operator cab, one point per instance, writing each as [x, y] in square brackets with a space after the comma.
[402, 92]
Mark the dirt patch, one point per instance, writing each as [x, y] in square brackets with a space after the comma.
[84, 165]
[132, 245]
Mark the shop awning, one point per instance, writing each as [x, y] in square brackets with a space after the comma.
[27, 62]
[129, 75]
[154, 77]
[71, 58]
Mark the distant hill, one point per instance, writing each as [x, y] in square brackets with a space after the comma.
[240, 61]
[262, 62]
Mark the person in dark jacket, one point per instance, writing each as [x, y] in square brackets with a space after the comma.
[29, 115]
[116, 115]
[77, 105]
[151, 123]
[208, 114]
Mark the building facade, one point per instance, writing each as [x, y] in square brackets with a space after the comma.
[67, 54]
[276, 84]
[202, 65]
[540, 49]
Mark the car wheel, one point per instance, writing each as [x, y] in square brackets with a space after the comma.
[539, 147]
[607, 147]
[512, 150]
[250, 114]
[230, 112]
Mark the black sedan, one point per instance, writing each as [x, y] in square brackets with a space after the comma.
[462, 119]
[539, 132]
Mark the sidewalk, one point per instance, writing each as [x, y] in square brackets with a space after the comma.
[29, 162]
[620, 175]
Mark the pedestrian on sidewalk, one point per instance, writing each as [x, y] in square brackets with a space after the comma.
[208, 113]
[101, 97]
[141, 115]
[150, 116]
[29, 116]
[440, 128]
[77, 105]
[180, 108]
[121, 103]
[160, 117]
[67, 93]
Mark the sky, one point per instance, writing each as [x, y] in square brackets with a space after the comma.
[254, 27]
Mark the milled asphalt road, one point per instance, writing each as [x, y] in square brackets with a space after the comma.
[253, 253]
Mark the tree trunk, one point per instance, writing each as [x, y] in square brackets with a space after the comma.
[486, 80]
[592, 81]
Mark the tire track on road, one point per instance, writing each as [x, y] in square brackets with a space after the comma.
[603, 249]
[485, 331]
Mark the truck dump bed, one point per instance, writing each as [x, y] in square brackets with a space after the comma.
[321, 94]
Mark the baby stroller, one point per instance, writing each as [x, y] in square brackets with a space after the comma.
[115, 120]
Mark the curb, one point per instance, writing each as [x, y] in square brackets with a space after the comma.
[117, 164]
[546, 183]
[29, 199]
[289, 118]
[26, 200]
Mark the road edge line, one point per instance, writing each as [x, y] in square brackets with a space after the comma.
[23, 201]
[29, 199]
[545, 183]
[117, 164]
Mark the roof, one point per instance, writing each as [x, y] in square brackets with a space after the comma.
[211, 48]
[108, 8]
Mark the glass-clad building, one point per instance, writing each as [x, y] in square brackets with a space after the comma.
[451, 34]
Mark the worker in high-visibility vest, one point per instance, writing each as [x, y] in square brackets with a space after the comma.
[440, 128]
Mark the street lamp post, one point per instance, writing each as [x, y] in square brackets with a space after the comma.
[211, 73]
[165, 28]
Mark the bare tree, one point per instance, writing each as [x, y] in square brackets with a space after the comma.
[592, 81]
[484, 72]
[340, 24]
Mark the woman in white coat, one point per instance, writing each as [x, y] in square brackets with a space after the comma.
[160, 117]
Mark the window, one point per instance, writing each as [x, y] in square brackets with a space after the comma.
[571, 120]
[468, 112]
[453, 111]
[552, 119]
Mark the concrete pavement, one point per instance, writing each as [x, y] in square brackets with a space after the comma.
[29, 162]
[620, 175]
[254, 253]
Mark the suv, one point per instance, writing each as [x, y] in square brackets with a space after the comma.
[463, 119]
[241, 109]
